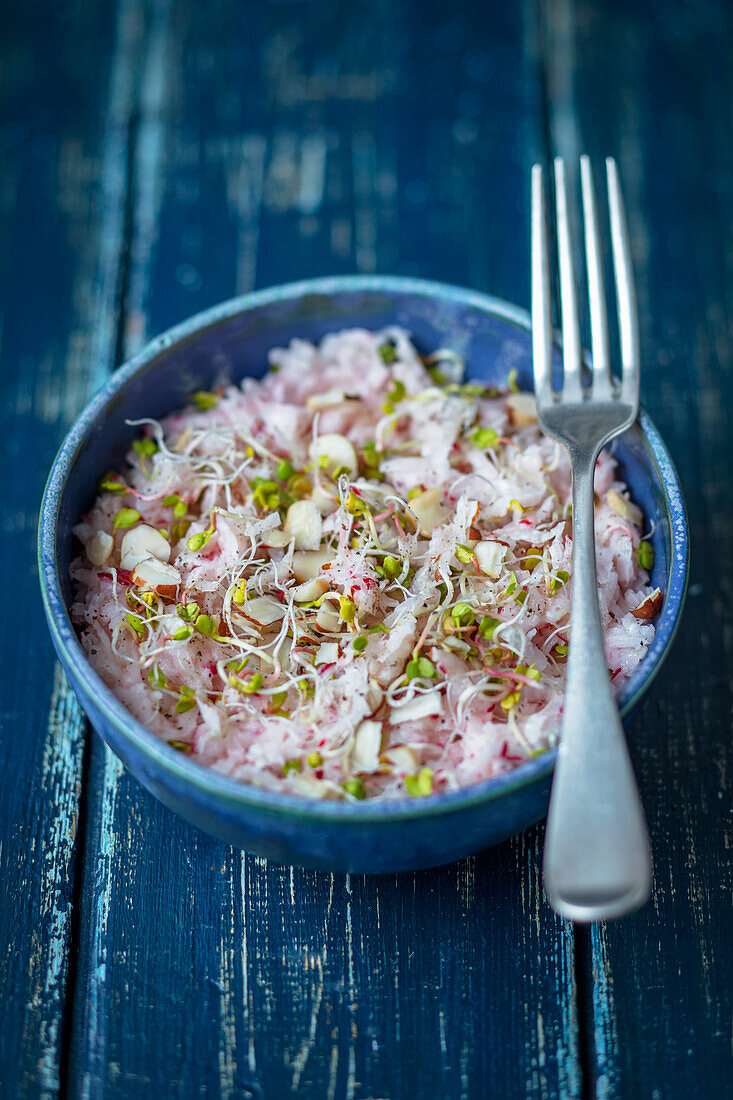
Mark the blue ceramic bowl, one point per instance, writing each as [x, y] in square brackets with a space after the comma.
[233, 339]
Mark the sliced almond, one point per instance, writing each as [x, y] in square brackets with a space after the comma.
[374, 693]
[263, 610]
[326, 399]
[364, 755]
[143, 542]
[650, 607]
[157, 576]
[275, 538]
[304, 525]
[310, 590]
[623, 507]
[325, 496]
[428, 510]
[337, 451]
[402, 758]
[99, 548]
[422, 706]
[522, 409]
[308, 563]
[327, 654]
[490, 557]
[328, 620]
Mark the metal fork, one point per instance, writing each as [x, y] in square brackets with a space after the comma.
[597, 863]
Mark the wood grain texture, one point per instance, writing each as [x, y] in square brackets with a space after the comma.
[652, 85]
[57, 286]
[159, 156]
[202, 971]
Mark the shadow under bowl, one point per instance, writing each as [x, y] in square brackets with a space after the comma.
[229, 342]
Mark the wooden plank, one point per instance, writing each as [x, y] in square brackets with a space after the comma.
[272, 148]
[61, 242]
[653, 86]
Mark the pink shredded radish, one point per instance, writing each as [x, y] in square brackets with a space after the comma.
[350, 579]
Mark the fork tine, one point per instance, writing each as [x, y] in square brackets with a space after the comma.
[625, 295]
[568, 292]
[541, 292]
[596, 293]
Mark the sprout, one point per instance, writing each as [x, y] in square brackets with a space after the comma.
[347, 609]
[510, 701]
[240, 592]
[278, 699]
[170, 500]
[388, 353]
[314, 759]
[515, 504]
[360, 643]
[420, 667]
[137, 624]
[196, 542]
[183, 632]
[179, 509]
[186, 699]
[126, 517]
[205, 400]
[156, 678]
[188, 612]
[354, 505]
[561, 650]
[512, 380]
[646, 556]
[463, 614]
[355, 788]
[238, 664]
[300, 486]
[371, 459]
[561, 578]
[146, 448]
[485, 438]
[437, 375]
[292, 766]
[420, 785]
[532, 558]
[206, 625]
[179, 529]
[181, 746]
[392, 566]
[397, 394]
[284, 470]
[113, 483]
[464, 554]
[254, 683]
[487, 626]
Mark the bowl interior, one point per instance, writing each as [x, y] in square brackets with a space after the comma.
[232, 341]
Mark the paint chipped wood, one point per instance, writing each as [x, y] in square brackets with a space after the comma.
[199, 154]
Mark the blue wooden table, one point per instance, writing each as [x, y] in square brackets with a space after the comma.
[156, 157]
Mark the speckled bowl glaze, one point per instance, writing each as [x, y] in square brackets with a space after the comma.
[231, 341]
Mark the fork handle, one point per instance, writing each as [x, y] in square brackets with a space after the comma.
[597, 863]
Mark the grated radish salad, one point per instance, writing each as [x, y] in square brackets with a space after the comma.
[351, 578]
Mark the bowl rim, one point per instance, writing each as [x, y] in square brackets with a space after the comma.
[245, 796]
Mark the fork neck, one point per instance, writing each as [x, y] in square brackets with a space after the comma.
[586, 657]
